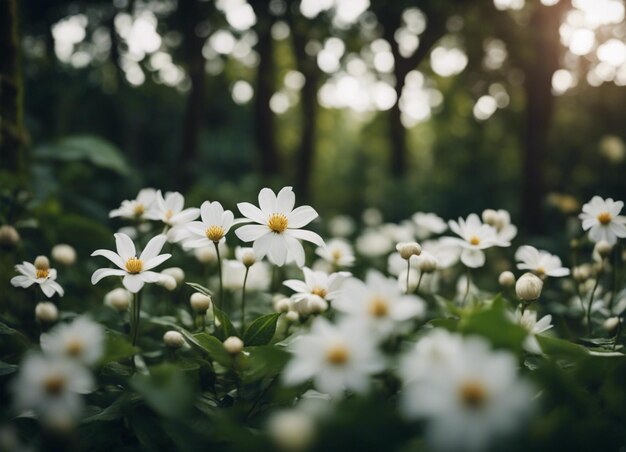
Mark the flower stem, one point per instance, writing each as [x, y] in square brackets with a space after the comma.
[467, 287]
[419, 282]
[135, 316]
[408, 272]
[243, 300]
[593, 292]
[219, 270]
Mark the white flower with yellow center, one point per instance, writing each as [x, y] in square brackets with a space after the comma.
[337, 252]
[601, 217]
[135, 270]
[468, 394]
[170, 210]
[428, 224]
[136, 208]
[317, 285]
[213, 227]
[378, 302]
[475, 237]
[38, 273]
[82, 340]
[51, 387]
[336, 357]
[278, 232]
[541, 263]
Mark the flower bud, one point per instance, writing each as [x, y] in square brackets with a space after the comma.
[42, 263]
[408, 249]
[292, 316]
[506, 279]
[46, 312]
[603, 248]
[247, 257]
[581, 273]
[233, 345]
[64, 254]
[281, 304]
[611, 323]
[119, 299]
[291, 430]
[427, 263]
[528, 287]
[9, 237]
[200, 302]
[316, 305]
[175, 272]
[205, 254]
[173, 339]
[167, 281]
[492, 218]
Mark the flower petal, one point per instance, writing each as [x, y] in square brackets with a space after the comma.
[252, 212]
[267, 201]
[301, 216]
[155, 261]
[285, 200]
[133, 283]
[104, 272]
[473, 258]
[303, 234]
[251, 232]
[153, 248]
[125, 246]
[110, 255]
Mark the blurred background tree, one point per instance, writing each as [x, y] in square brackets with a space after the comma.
[451, 106]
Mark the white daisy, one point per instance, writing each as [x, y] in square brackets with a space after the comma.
[469, 396]
[475, 237]
[336, 357]
[51, 387]
[337, 252]
[278, 233]
[38, 273]
[428, 224]
[317, 285]
[540, 262]
[213, 227]
[136, 208]
[378, 302]
[529, 322]
[82, 340]
[601, 217]
[135, 270]
[170, 210]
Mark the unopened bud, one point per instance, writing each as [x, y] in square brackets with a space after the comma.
[581, 273]
[506, 279]
[292, 316]
[281, 304]
[119, 299]
[292, 430]
[175, 272]
[611, 323]
[64, 254]
[46, 312]
[42, 263]
[603, 248]
[200, 302]
[427, 263]
[528, 287]
[9, 237]
[167, 281]
[233, 345]
[408, 249]
[173, 339]
[247, 257]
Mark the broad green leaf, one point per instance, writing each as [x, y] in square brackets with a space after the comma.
[117, 347]
[200, 288]
[262, 362]
[95, 150]
[494, 324]
[261, 331]
[116, 410]
[553, 346]
[166, 390]
[214, 348]
[223, 326]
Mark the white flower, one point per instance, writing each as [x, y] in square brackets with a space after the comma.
[529, 322]
[234, 271]
[317, 286]
[540, 262]
[501, 221]
[374, 243]
[475, 237]
[170, 210]
[81, 340]
[136, 208]
[135, 270]
[278, 233]
[336, 357]
[213, 227]
[468, 394]
[337, 252]
[428, 224]
[601, 217]
[378, 302]
[51, 387]
[40, 273]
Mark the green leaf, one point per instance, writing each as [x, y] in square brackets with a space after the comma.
[494, 324]
[117, 347]
[261, 331]
[263, 361]
[223, 326]
[560, 348]
[166, 390]
[6, 368]
[116, 410]
[96, 150]
[214, 348]
[200, 288]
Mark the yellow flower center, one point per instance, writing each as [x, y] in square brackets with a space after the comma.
[42, 273]
[214, 233]
[278, 222]
[474, 240]
[134, 265]
[169, 214]
[473, 394]
[605, 218]
[379, 307]
[337, 354]
[540, 271]
[54, 384]
[139, 209]
[319, 291]
[74, 347]
[336, 255]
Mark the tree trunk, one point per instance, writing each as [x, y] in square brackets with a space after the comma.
[12, 133]
[264, 131]
[539, 112]
[194, 110]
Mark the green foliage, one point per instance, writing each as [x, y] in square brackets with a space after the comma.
[261, 331]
